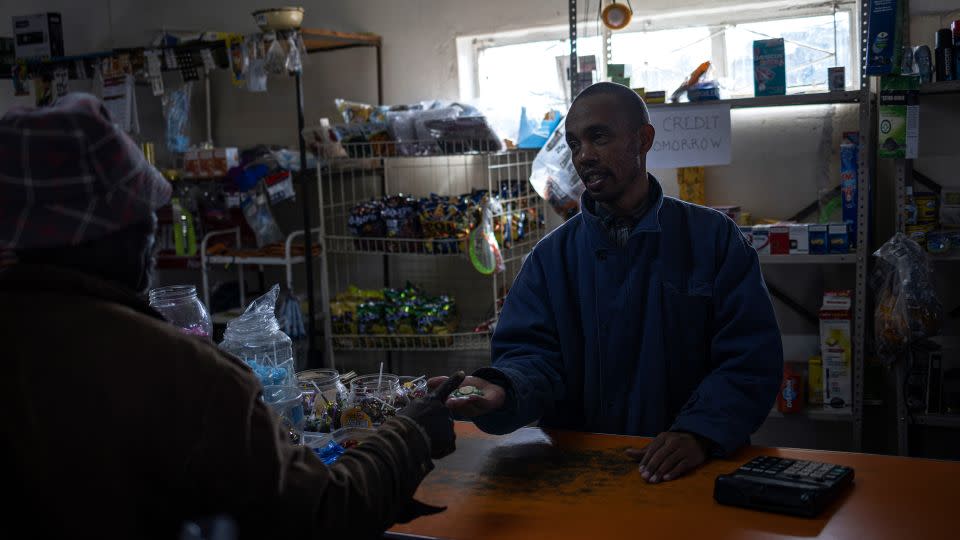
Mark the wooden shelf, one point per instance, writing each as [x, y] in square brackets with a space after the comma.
[317, 40]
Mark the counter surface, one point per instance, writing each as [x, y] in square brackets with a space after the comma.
[553, 484]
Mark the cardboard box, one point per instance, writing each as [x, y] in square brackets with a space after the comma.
[747, 232]
[839, 238]
[899, 118]
[222, 160]
[769, 68]
[779, 240]
[836, 348]
[191, 164]
[819, 241]
[213, 163]
[38, 37]
[815, 380]
[761, 239]
[799, 239]
[885, 37]
[849, 167]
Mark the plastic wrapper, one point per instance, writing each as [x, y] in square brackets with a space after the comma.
[360, 113]
[907, 308]
[256, 338]
[406, 311]
[276, 58]
[400, 217]
[554, 177]
[484, 250]
[464, 134]
[176, 115]
[294, 61]
[256, 210]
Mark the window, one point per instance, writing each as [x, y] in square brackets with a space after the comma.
[510, 71]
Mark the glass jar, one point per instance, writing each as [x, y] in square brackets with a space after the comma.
[287, 403]
[412, 388]
[323, 399]
[259, 341]
[180, 306]
[371, 400]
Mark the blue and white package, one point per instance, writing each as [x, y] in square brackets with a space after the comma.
[849, 162]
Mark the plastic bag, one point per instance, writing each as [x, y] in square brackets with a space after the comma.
[907, 308]
[257, 212]
[554, 177]
[276, 61]
[176, 114]
[294, 62]
[360, 113]
[533, 135]
[485, 252]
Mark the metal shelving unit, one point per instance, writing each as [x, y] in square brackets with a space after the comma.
[241, 258]
[808, 259]
[439, 266]
[826, 415]
[904, 177]
[817, 98]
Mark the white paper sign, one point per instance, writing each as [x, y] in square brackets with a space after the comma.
[690, 136]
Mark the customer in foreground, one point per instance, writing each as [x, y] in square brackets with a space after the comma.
[115, 424]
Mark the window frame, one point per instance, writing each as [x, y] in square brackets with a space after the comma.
[716, 18]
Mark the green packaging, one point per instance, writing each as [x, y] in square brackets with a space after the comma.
[769, 67]
[898, 118]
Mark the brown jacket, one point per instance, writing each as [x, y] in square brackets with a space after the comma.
[117, 425]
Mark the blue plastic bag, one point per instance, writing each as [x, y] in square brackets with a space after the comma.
[534, 135]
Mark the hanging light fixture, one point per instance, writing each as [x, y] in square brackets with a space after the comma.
[617, 16]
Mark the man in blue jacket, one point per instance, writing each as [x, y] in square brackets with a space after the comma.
[642, 315]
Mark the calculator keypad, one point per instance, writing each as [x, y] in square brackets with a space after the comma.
[792, 469]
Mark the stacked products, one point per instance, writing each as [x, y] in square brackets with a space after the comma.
[445, 221]
[407, 311]
[933, 221]
[799, 238]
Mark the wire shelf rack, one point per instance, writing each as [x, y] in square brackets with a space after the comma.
[464, 341]
[391, 255]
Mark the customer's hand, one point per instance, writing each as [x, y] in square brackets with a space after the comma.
[670, 455]
[434, 417]
[474, 405]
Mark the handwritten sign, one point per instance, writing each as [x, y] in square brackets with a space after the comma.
[690, 136]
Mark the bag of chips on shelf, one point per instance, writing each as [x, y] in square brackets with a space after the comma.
[907, 307]
[360, 113]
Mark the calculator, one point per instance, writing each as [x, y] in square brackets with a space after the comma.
[786, 486]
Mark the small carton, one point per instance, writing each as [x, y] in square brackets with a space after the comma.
[779, 240]
[761, 239]
[191, 164]
[815, 380]
[222, 160]
[819, 242]
[839, 237]
[747, 232]
[836, 347]
[206, 162]
[38, 37]
[799, 239]
[769, 67]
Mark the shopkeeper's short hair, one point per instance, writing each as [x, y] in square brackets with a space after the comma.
[632, 103]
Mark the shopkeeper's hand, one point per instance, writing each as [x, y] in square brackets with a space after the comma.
[434, 417]
[670, 455]
[473, 405]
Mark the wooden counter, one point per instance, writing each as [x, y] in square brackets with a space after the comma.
[536, 484]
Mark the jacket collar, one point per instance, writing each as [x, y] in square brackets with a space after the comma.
[650, 222]
[36, 278]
